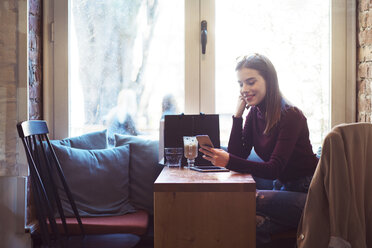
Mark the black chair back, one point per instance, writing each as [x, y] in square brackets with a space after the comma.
[45, 169]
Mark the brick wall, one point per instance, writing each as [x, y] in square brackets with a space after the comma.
[8, 86]
[9, 35]
[364, 61]
[35, 60]
[35, 81]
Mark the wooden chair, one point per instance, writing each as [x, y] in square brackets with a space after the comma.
[113, 231]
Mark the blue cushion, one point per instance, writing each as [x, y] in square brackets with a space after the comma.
[143, 169]
[93, 140]
[98, 180]
[117, 240]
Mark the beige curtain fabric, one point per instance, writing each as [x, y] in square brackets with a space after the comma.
[339, 202]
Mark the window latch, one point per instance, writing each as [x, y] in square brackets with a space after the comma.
[203, 36]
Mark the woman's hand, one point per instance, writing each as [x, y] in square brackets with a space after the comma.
[217, 157]
[241, 106]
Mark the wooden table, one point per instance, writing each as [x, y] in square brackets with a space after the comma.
[199, 209]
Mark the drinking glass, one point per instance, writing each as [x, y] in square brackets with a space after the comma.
[173, 156]
[190, 149]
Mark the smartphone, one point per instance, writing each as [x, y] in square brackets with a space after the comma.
[204, 140]
[209, 168]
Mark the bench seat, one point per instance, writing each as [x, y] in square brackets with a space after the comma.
[133, 223]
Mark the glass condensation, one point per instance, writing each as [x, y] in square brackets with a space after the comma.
[294, 35]
[126, 64]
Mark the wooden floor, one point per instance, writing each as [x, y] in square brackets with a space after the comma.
[284, 243]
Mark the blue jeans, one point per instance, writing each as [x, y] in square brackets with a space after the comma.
[278, 206]
[277, 210]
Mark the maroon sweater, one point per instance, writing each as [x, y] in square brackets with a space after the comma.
[286, 150]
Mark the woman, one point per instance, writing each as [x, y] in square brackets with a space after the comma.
[279, 134]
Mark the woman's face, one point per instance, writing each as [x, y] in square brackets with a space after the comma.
[252, 86]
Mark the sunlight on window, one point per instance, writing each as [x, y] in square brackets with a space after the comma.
[126, 63]
[126, 60]
[295, 36]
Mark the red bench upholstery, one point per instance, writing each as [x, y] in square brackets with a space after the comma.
[134, 223]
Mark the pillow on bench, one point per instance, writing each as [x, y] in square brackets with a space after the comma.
[93, 140]
[144, 168]
[98, 180]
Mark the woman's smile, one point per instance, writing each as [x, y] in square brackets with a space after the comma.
[249, 97]
[252, 86]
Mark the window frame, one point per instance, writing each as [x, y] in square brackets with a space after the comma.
[199, 87]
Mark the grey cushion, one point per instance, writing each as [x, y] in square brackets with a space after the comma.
[98, 180]
[93, 140]
[143, 169]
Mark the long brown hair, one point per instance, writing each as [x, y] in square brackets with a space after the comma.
[273, 95]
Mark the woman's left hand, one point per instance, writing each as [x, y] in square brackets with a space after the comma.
[217, 157]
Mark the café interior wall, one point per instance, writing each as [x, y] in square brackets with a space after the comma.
[364, 61]
[13, 107]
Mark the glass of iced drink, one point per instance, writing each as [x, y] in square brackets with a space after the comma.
[190, 149]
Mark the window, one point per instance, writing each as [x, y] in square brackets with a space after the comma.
[166, 59]
[126, 65]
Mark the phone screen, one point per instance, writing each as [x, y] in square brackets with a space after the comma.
[204, 140]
